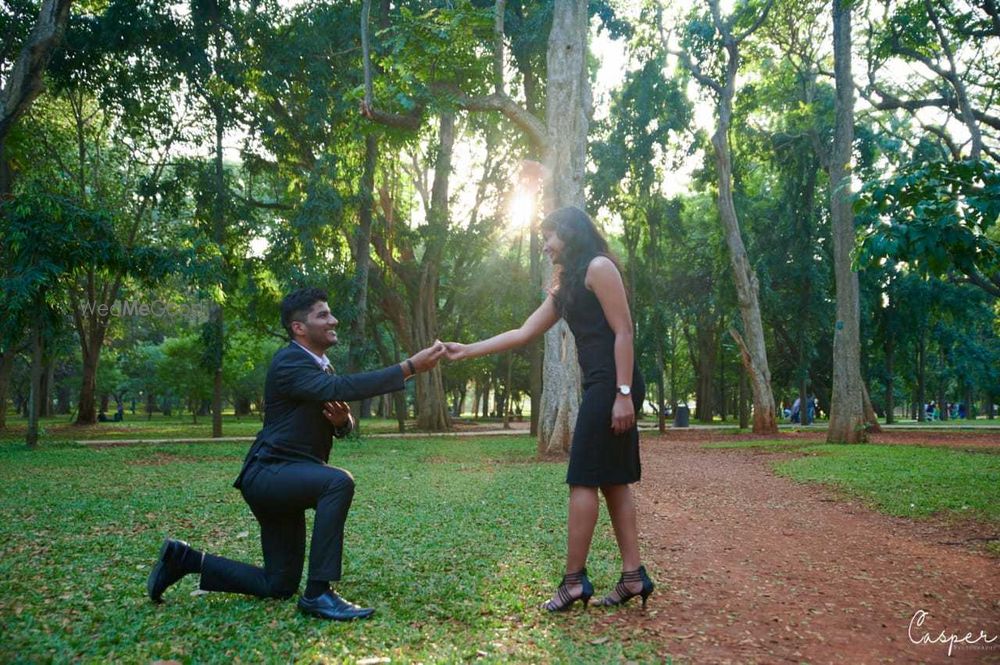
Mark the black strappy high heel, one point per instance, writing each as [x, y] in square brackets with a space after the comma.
[563, 600]
[622, 594]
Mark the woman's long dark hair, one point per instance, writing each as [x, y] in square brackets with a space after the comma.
[582, 242]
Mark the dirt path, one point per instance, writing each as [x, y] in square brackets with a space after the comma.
[753, 568]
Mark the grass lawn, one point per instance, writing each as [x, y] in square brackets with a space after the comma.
[454, 541]
[61, 428]
[908, 481]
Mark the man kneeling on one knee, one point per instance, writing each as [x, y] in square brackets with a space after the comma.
[286, 471]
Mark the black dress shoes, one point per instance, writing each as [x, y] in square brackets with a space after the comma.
[167, 569]
[331, 606]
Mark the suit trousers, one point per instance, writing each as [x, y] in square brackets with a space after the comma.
[279, 492]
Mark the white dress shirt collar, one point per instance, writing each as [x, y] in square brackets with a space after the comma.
[322, 361]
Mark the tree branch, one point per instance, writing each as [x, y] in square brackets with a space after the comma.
[25, 81]
[498, 47]
[756, 24]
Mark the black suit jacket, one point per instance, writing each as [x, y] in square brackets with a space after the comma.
[294, 391]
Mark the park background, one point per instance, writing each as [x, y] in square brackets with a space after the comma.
[802, 196]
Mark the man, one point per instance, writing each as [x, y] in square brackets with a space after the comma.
[285, 472]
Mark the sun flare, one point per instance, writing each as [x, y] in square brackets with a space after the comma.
[521, 209]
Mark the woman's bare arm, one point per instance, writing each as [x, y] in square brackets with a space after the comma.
[540, 320]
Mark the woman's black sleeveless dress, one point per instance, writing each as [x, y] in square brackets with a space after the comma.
[599, 456]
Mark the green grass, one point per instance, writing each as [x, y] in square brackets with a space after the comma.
[907, 481]
[61, 428]
[454, 541]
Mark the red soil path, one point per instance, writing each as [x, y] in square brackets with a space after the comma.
[754, 568]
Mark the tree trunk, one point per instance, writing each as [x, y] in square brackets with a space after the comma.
[890, 397]
[744, 275]
[25, 82]
[921, 376]
[6, 367]
[362, 261]
[48, 381]
[847, 418]
[35, 392]
[219, 237]
[707, 339]
[744, 411]
[871, 418]
[535, 358]
[86, 413]
[568, 111]
[661, 419]
[432, 412]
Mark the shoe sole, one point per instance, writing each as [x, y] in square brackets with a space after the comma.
[317, 615]
[153, 574]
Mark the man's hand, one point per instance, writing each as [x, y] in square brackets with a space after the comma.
[338, 413]
[456, 351]
[428, 358]
[622, 414]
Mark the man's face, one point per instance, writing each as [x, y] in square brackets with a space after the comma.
[320, 327]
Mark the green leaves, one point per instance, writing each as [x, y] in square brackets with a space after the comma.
[939, 216]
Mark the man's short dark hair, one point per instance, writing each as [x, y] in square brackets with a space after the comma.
[296, 305]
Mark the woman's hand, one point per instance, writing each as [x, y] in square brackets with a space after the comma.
[622, 414]
[456, 351]
[428, 358]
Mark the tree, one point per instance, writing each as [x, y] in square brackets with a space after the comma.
[561, 141]
[940, 216]
[714, 42]
[847, 416]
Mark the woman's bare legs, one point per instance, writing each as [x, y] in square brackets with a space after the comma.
[583, 508]
[621, 507]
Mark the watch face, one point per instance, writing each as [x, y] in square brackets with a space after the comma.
[624, 390]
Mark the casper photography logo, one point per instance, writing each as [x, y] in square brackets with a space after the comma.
[193, 312]
[979, 640]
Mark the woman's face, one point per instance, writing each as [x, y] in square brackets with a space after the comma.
[553, 246]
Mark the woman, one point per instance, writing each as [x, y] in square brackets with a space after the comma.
[589, 294]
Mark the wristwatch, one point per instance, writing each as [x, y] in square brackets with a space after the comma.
[625, 390]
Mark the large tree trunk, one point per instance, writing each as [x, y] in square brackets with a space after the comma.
[568, 111]
[847, 418]
[362, 261]
[86, 413]
[431, 399]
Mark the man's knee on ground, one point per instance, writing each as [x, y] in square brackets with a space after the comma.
[282, 587]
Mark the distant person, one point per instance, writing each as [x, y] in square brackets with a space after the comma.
[589, 294]
[119, 414]
[286, 471]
